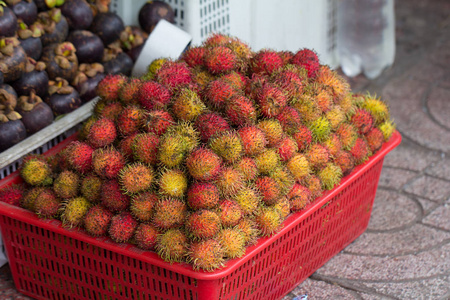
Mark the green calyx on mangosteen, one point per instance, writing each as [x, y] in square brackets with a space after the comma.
[61, 60]
[55, 26]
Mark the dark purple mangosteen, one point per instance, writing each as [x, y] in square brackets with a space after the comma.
[115, 61]
[107, 26]
[55, 26]
[60, 60]
[12, 59]
[87, 79]
[34, 79]
[35, 113]
[30, 39]
[152, 12]
[8, 22]
[62, 98]
[78, 14]
[88, 45]
[26, 10]
[12, 130]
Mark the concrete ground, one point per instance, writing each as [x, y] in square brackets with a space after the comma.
[405, 252]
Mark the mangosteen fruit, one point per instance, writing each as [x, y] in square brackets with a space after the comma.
[87, 79]
[12, 130]
[1, 78]
[89, 47]
[78, 13]
[132, 41]
[55, 26]
[35, 113]
[25, 10]
[8, 21]
[62, 98]
[108, 26]
[8, 97]
[12, 59]
[44, 5]
[61, 60]
[115, 61]
[34, 79]
[152, 12]
[30, 39]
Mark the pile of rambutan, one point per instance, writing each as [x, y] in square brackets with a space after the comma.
[203, 155]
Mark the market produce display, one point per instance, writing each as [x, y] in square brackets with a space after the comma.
[72, 44]
[203, 155]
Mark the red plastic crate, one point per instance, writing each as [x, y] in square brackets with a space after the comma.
[48, 261]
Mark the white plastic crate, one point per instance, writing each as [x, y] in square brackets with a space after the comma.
[280, 25]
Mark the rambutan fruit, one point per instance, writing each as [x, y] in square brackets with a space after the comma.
[334, 83]
[240, 111]
[227, 145]
[377, 108]
[122, 227]
[290, 119]
[307, 107]
[171, 150]
[248, 199]
[308, 59]
[107, 162]
[229, 181]
[237, 80]
[174, 75]
[333, 144]
[125, 144]
[229, 212]
[130, 120]
[347, 104]
[347, 134]
[73, 211]
[289, 82]
[194, 56]
[141, 206]
[173, 183]
[254, 84]
[218, 92]
[216, 39]
[206, 255]
[112, 197]
[284, 178]
[187, 105]
[27, 199]
[362, 120]
[108, 88]
[172, 245]
[387, 128]
[153, 95]
[158, 121]
[202, 195]
[303, 137]
[286, 56]
[283, 206]
[243, 53]
[320, 129]
[36, 171]
[318, 156]
[203, 164]
[102, 133]
[169, 213]
[253, 140]
[46, 204]
[269, 220]
[314, 185]
[269, 189]
[144, 148]
[153, 67]
[271, 100]
[265, 62]
[345, 161]
[375, 139]
[86, 127]
[232, 241]
[202, 78]
[323, 98]
[96, 220]
[299, 166]
[299, 196]
[220, 59]
[129, 91]
[187, 132]
[209, 124]
[360, 151]
[109, 110]
[135, 178]
[335, 116]
[12, 195]
[267, 160]
[203, 224]
[66, 184]
[249, 229]
[286, 148]
[145, 236]
[79, 156]
[248, 168]
[330, 176]
[272, 130]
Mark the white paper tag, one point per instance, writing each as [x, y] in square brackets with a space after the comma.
[166, 40]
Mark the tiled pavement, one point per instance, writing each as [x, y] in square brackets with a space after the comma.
[405, 252]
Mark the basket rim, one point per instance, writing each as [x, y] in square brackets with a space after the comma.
[151, 257]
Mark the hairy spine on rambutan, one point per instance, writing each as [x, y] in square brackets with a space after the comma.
[241, 111]
[209, 124]
[265, 62]
[153, 95]
[271, 100]
[220, 60]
